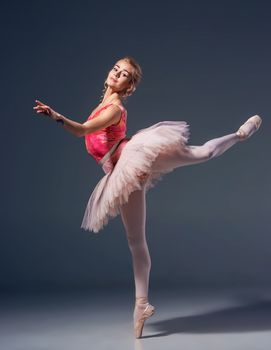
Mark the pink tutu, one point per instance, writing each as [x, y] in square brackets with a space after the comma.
[147, 152]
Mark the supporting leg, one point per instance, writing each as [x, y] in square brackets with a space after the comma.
[133, 215]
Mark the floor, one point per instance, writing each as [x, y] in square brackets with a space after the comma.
[188, 319]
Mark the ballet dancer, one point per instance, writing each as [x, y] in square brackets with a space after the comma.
[133, 165]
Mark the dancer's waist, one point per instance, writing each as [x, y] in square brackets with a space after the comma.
[109, 156]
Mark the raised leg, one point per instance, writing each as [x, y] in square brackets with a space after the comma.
[210, 149]
[188, 155]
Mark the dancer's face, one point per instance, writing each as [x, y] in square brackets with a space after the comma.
[120, 76]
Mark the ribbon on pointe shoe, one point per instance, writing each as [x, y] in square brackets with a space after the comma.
[143, 310]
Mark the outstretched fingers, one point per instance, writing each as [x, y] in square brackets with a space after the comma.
[41, 107]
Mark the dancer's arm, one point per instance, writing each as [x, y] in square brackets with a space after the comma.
[108, 117]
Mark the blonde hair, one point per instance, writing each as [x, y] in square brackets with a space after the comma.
[136, 77]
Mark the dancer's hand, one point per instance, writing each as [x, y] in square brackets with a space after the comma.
[42, 108]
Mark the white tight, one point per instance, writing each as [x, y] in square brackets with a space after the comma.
[133, 213]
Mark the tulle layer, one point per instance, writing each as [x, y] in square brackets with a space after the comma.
[145, 153]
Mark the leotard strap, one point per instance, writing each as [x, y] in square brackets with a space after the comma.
[110, 104]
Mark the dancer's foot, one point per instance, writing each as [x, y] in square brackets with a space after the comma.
[249, 127]
[143, 310]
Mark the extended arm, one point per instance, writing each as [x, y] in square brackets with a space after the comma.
[107, 117]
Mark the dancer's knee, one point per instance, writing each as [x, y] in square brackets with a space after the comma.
[197, 154]
[208, 152]
[135, 242]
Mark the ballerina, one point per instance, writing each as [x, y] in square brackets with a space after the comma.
[133, 165]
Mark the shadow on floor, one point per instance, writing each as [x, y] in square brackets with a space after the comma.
[245, 318]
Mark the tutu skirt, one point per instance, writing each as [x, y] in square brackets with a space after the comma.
[149, 151]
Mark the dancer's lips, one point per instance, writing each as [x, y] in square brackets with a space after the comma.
[114, 79]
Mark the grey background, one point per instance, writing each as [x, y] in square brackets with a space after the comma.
[208, 63]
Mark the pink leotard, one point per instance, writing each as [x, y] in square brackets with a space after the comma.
[101, 141]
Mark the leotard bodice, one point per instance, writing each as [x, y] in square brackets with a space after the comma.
[100, 142]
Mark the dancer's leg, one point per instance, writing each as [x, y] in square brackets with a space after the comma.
[188, 155]
[133, 215]
[209, 150]
[197, 154]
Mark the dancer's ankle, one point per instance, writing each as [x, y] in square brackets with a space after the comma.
[141, 300]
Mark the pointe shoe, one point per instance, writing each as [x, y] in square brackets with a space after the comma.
[143, 310]
[249, 127]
